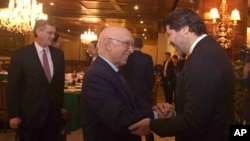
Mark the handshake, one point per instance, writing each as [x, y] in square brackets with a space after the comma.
[164, 110]
[142, 127]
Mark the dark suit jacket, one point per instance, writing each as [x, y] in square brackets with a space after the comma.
[139, 72]
[204, 96]
[30, 95]
[109, 107]
[246, 82]
[169, 72]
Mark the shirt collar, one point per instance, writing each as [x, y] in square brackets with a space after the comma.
[110, 64]
[196, 42]
[39, 48]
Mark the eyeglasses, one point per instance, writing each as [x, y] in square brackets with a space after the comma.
[128, 44]
[49, 32]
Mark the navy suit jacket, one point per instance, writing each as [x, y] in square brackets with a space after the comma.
[139, 72]
[30, 95]
[204, 97]
[109, 106]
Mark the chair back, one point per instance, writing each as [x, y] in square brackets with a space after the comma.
[3, 97]
[3, 105]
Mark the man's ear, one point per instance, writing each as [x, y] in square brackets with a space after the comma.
[185, 30]
[108, 47]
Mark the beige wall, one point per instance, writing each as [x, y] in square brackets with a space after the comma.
[155, 48]
[74, 50]
[71, 49]
[150, 47]
[163, 46]
[248, 36]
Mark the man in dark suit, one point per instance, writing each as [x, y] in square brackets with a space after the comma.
[139, 72]
[35, 87]
[56, 42]
[109, 106]
[205, 89]
[92, 51]
[167, 76]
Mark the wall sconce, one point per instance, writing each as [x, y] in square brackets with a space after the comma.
[224, 29]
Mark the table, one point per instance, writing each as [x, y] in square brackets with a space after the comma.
[71, 102]
[3, 77]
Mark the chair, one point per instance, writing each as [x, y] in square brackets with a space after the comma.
[3, 106]
[155, 89]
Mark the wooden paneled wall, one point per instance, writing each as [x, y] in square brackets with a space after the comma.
[240, 29]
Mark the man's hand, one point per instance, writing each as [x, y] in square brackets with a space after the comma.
[164, 110]
[15, 122]
[141, 128]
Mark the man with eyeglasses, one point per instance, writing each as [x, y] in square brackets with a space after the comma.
[35, 87]
[108, 104]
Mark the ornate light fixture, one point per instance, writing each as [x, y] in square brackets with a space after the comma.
[88, 36]
[224, 29]
[21, 15]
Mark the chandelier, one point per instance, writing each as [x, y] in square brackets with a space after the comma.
[224, 29]
[88, 36]
[21, 15]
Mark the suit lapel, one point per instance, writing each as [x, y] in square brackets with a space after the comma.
[125, 87]
[35, 58]
[53, 58]
[126, 90]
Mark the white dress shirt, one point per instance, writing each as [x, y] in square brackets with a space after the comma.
[39, 50]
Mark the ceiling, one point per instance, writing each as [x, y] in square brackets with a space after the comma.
[73, 17]
[76, 16]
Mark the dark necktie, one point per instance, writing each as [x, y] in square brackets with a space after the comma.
[46, 66]
[124, 81]
[126, 86]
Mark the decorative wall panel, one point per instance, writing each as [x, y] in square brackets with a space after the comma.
[9, 42]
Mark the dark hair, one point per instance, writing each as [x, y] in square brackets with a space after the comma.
[56, 37]
[41, 24]
[185, 17]
[94, 42]
[168, 53]
[138, 42]
[175, 56]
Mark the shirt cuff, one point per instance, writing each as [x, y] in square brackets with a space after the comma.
[155, 115]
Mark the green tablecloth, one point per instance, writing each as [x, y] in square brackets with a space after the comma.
[72, 103]
[3, 77]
